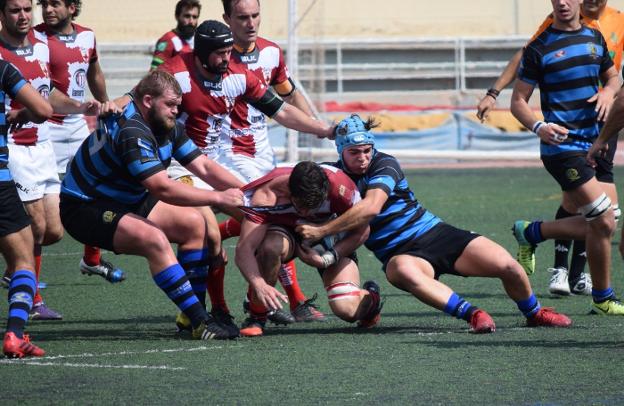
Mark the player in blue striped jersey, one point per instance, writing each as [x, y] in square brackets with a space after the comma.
[116, 195]
[16, 238]
[569, 62]
[414, 245]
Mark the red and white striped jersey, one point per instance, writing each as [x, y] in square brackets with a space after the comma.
[249, 131]
[170, 45]
[206, 105]
[342, 195]
[33, 62]
[70, 57]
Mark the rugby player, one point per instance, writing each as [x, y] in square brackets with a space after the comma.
[117, 195]
[248, 153]
[179, 39]
[16, 239]
[33, 165]
[74, 65]
[414, 245]
[569, 277]
[568, 62]
[274, 204]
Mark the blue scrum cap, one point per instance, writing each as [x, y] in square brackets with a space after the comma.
[352, 131]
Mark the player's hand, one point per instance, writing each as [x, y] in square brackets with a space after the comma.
[90, 108]
[231, 197]
[309, 255]
[486, 104]
[109, 108]
[309, 231]
[268, 296]
[604, 101]
[16, 118]
[597, 150]
[552, 134]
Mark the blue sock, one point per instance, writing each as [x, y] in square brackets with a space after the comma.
[533, 233]
[21, 292]
[459, 307]
[602, 295]
[195, 264]
[529, 306]
[175, 284]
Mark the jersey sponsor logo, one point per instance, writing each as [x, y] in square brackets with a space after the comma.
[44, 90]
[26, 51]
[161, 46]
[67, 37]
[256, 119]
[252, 58]
[216, 86]
[80, 78]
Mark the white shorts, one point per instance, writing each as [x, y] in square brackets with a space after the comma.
[245, 168]
[66, 139]
[34, 170]
[178, 172]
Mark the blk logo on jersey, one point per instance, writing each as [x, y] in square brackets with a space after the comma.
[216, 86]
[26, 51]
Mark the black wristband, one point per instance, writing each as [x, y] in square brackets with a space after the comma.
[493, 93]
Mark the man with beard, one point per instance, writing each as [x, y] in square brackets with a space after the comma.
[73, 65]
[117, 195]
[180, 39]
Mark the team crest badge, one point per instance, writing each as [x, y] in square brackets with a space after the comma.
[161, 46]
[108, 216]
[572, 175]
[593, 51]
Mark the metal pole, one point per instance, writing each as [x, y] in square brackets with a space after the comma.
[292, 60]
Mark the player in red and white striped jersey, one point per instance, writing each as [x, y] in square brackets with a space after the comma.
[180, 39]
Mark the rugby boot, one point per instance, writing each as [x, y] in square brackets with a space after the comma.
[253, 326]
[277, 317]
[40, 311]
[582, 285]
[374, 313]
[224, 318]
[104, 269]
[610, 307]
[481, 323]
[209, 329]
[558, 284]
[14, 347]
[548, 317]
[5, 281]
[307, 311]
[183, 323]
[526, 250]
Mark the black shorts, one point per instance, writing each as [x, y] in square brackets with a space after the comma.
[440, 246]
[604, 166]
[94, 223]
[13, 216]
[295, 238]
[570, 169]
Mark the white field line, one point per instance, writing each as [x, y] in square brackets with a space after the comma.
[49, 361]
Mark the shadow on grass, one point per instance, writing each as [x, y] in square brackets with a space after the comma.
[530, 342]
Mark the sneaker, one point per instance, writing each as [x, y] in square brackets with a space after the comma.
[481, 323]
[548, 317]
[526, 250]
[374, 314]
[209, 329]
[610, 307]
[582, 286]
[307, 311]
[40, 311]
[104, 269]
[14, 347]
[277, 317]
[183, 323]
[559, 282]
[224, 318]
[253, 326]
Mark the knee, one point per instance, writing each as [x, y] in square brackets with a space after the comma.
[269, 250]
[510, 269]
[193, 227]
[345, 310]
[154, 243]
[603, 225]
[344, 300]
[53, 234]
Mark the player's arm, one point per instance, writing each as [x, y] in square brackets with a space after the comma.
[180, 194]
[345, 247]
[36, 109]
[97, 82]
[63, 104]
[610, 129]
[360, 215]
[506, 77]
[212, 173]
[604, 97]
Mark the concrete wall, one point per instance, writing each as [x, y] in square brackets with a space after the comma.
[146, 20]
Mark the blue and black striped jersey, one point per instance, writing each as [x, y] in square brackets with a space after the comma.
[402, 218]
[113, 161]
[566, 65]
[11, 81]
